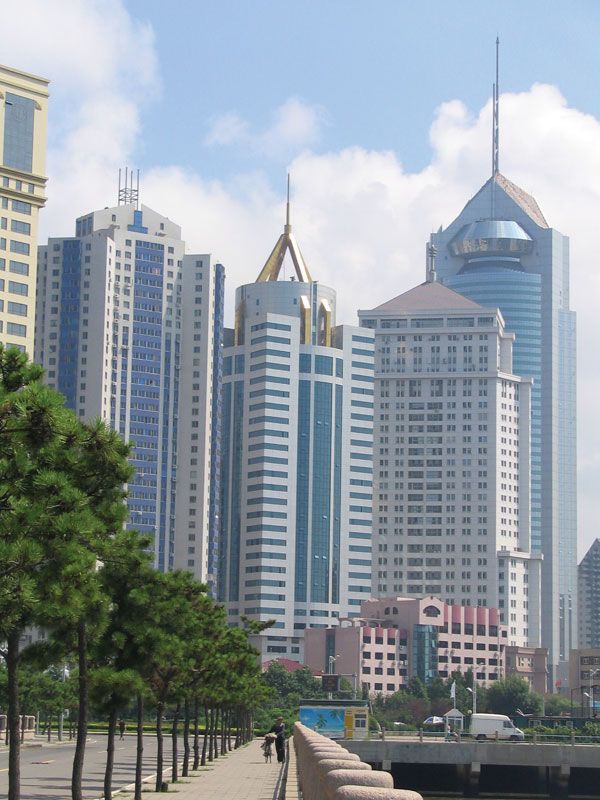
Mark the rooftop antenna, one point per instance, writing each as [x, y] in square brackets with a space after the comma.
[495, 128]
[128, 193]
[288, 227]
[430, 253]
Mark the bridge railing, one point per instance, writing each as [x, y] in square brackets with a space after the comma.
[327, 771]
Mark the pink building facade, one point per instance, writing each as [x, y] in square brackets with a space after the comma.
[396, 638]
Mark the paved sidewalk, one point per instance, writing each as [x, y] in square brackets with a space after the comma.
[240, 775]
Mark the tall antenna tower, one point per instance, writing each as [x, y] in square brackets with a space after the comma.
[495, 130]
[128, 193]
[496, 118]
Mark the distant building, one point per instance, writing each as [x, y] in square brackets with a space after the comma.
[23, 120]
[396, 638]
[452, 458]
[584, 679]
[588, 578]
[501, 252]
[129, 330]
[297, 450]
[530, 663]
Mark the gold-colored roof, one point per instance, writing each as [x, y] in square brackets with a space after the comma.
[286, 243]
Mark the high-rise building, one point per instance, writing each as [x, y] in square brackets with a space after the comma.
[588, 579]
[451, 458]
[128, 329]
[23, 118]
[297, 437]
[500, 251]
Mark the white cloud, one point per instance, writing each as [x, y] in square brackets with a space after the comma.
[361, 219]
[102, 65]
[227, 129]
[294, 126]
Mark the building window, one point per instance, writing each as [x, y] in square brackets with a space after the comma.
[18, 132]
[14, 329]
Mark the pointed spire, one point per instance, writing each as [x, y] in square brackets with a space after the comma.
[496, 117]
[285, 243]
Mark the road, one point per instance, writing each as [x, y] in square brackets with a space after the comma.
[46, 771]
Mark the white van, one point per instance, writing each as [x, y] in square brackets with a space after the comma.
[492, 726]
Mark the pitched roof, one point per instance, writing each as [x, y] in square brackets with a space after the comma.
[286, 663]
[524, 200]
[428, 297]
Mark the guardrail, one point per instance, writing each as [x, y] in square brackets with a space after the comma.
[327, 771]
[533, 737]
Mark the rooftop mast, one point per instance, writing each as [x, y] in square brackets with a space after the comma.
[495, 130]
[128, 193]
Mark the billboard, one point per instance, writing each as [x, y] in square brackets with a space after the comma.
[337, 722]
[327, 720]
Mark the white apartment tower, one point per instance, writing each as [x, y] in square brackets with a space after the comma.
[297, 439]
[451, 458]
[126, 326]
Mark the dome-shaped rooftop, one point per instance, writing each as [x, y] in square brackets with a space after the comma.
[491, 237]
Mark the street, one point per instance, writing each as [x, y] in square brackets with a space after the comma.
[46, 771]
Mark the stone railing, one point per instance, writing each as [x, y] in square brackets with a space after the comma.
[26, 726]
[327, 771]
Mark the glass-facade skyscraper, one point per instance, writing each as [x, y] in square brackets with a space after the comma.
[589, 597]
[297, 474]
[500, 251]
[128, 328]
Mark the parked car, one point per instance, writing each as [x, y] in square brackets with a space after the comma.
[494, 726]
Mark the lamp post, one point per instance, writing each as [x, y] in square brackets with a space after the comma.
[593, 672]
[474, 694]
[331, 662]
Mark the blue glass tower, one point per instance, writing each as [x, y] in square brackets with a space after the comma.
[501, 252]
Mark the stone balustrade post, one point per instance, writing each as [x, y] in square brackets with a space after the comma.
[327, 771]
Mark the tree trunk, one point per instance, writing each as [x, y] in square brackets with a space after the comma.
[211, 743]
[215, 733]
[49, 727]
[110, 754]
[206, 730]
[82, 714]
[174, 752]
[14, 739]
[159, 747]
[140, 748]
[238, 725]
[196, 734]
[185, 770]
[223, 724]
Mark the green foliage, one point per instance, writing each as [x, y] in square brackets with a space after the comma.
[512, 693]
[591, 729]
[67, 566]
[557, 705]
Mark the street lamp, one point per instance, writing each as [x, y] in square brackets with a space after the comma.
[331, 662]
[593, 672]
[474, 693]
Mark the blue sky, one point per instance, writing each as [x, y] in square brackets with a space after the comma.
[380, 109]
[378, 69]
